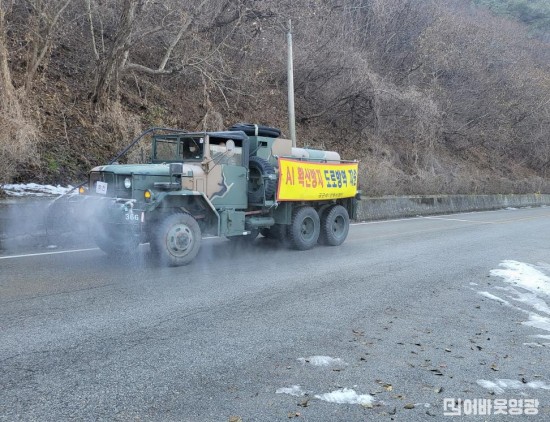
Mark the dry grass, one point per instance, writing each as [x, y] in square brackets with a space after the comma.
[18, 137]
[379, 177]
[120, 126]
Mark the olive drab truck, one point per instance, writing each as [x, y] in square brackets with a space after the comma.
[234, 184]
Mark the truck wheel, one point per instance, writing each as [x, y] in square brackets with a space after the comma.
[113, 242]
[177, 239]
[334, 226]
[257, 185]
[304, 229]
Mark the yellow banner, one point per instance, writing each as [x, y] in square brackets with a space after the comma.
[307, 181]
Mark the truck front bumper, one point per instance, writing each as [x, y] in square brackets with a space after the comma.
[119, 216]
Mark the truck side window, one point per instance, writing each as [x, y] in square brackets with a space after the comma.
[191, 149]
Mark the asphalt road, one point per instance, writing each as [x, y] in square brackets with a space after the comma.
[87, 337]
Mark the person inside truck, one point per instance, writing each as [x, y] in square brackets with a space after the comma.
[190, 150]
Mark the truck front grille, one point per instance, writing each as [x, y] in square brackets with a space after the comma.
[115, 184]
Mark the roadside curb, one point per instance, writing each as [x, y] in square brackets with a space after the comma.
[389, 207]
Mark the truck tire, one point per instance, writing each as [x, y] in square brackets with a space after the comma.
[177, 239]
[334, 226]
[114, 243]
[304, 230]
[258, 187]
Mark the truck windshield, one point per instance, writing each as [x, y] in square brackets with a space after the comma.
[178, 149]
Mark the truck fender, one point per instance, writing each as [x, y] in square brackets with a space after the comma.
[182, 200]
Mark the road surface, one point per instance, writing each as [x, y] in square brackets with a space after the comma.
[408, 310]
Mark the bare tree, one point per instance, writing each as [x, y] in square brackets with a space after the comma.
[8, 100]
[140, 22]
[18, 134]
[44, 21]
[130, 9]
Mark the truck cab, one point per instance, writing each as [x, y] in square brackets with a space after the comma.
[213, 163]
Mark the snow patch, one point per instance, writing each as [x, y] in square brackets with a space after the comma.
[295, 390]
[532, 300]
[499, 386]
[538, 321]
[322, 361]
[527, 285]
[34, 189]
[495, 298]
[534, 344]
[524, 276]
[346, 396]
[341, 396]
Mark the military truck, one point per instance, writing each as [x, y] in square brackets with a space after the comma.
[235, 184]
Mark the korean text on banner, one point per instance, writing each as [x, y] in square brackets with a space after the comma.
[307, 181]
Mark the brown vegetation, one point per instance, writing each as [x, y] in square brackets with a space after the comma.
[432, 97]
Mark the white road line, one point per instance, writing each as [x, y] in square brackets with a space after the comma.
[478, 212]
[384, 221]
[458, 219]
[48, 253]
[72, 251]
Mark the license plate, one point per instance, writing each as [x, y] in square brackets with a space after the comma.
[101, 188]
[130, 216]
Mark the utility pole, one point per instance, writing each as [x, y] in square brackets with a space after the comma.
[290, 78]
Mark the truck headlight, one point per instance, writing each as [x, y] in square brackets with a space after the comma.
[127, 183]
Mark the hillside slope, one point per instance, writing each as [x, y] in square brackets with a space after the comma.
[432, 97]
